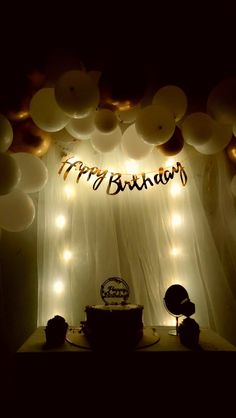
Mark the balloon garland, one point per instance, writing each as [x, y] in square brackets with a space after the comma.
[22, 173]
[109, 109]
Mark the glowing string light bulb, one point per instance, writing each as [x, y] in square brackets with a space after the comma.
[176, 220]
[175, 189]
[60, 221]
[58, 287]
[69, 192]
[67, 255]
[175, 251]
[131, 166]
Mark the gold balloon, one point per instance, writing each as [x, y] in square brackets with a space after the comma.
[174, 145]
[27, 137]
[18, 115]
[20, 109]
[122, 86]
[231, 150]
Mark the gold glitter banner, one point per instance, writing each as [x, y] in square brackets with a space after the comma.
[116, 181]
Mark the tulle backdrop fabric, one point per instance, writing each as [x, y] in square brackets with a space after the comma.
[152, 238]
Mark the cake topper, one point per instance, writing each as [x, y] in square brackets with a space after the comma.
[114, 291]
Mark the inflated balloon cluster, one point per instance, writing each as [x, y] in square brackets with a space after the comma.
[82, 105]
[87, 106]
[21, 174]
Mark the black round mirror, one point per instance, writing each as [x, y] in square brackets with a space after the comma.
[175, 296]
[176, 299]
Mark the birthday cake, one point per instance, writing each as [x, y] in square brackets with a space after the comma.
[113, 325]
[116, 324]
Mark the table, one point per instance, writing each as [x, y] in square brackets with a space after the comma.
[74, 378]
[208, 341]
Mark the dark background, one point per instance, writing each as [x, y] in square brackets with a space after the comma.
[192, 45]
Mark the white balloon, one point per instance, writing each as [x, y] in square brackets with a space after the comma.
[106, 142]
[81, 128]
[133, 145]
[45, 111]
[233, 186]
[220, 139]
[6, 133]
[17, 211]
[221, 102]
[10, 173]
[173, 98]
[76, 93]
[129, 115]
[198, 128]
[105, 120]
[155, 124]
[234, 130]
[34, 173]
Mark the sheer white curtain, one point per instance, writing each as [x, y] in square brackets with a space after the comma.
[152, 238]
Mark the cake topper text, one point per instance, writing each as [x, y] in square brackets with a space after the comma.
[116, 181]
[114, 291]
